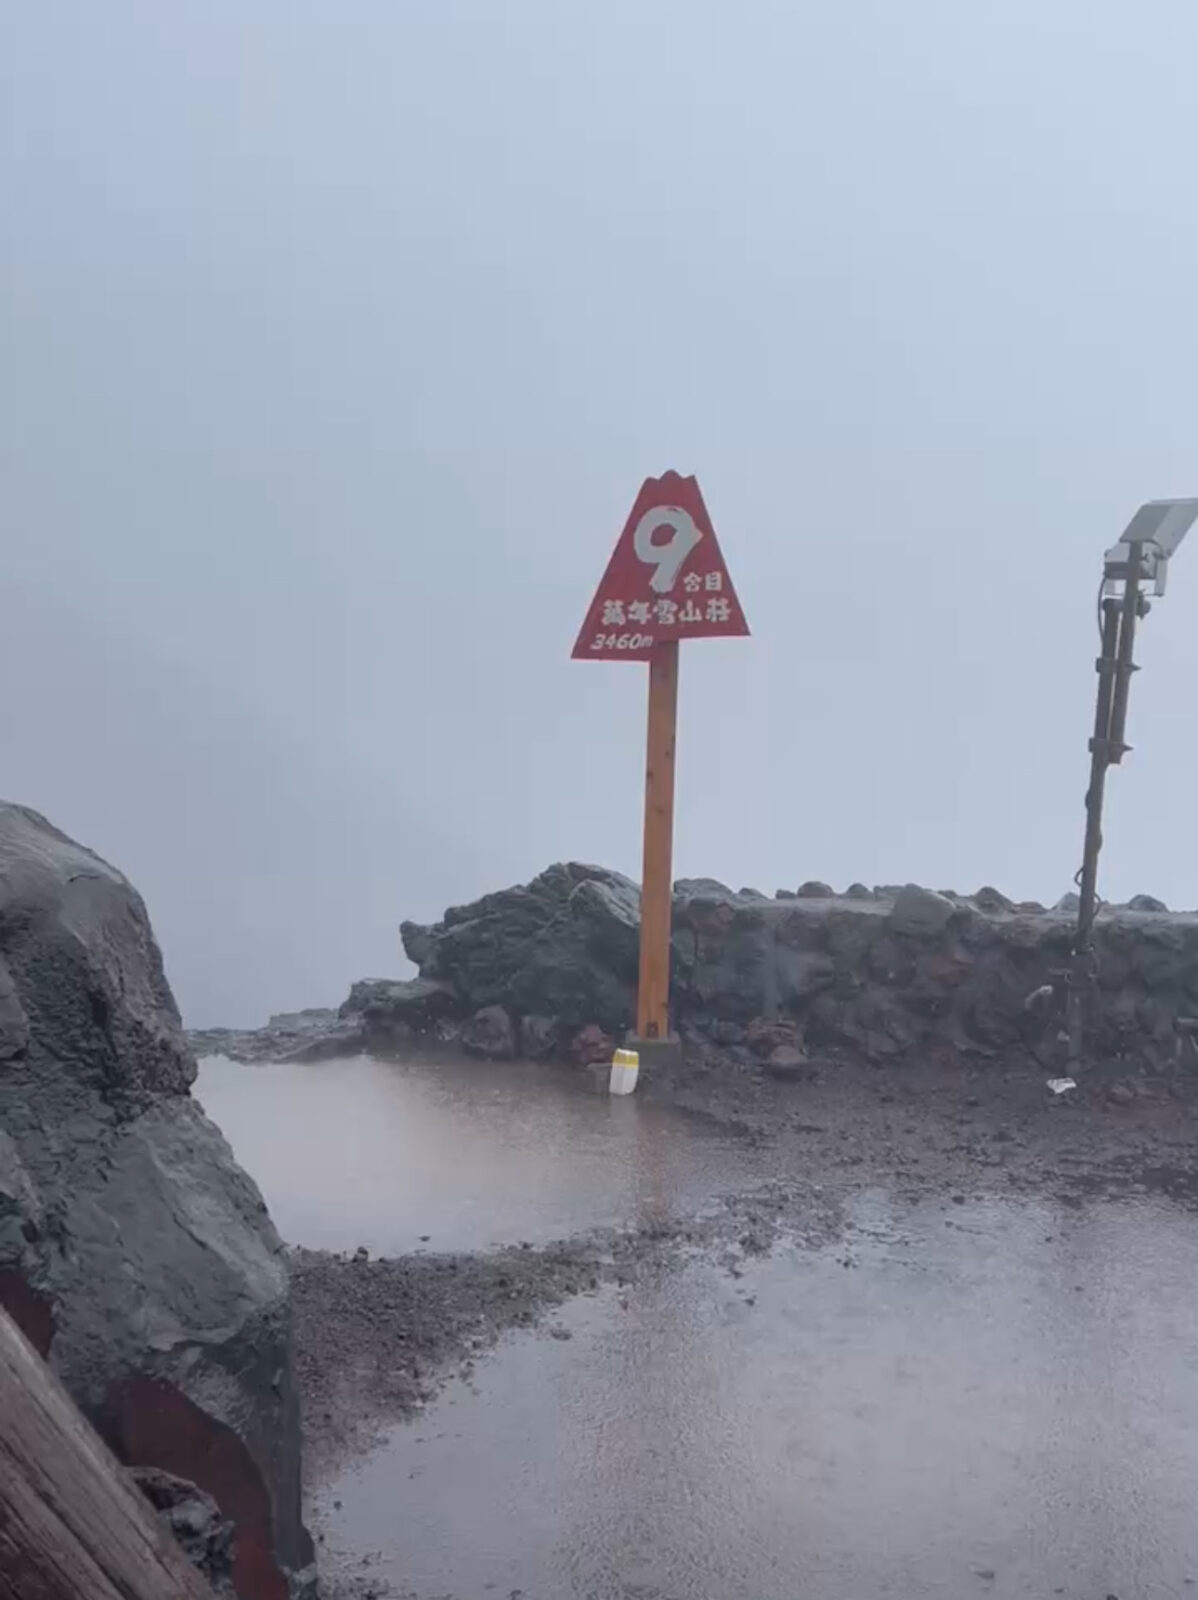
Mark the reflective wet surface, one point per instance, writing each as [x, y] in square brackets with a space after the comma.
[989, 1400]
[459, 1155]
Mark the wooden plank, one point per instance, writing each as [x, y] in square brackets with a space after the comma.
[72, 1526]
[653, 993]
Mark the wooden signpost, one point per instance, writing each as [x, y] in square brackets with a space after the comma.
[666, 582]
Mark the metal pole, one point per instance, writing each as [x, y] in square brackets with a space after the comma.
[1081, 965]
[1125, 666]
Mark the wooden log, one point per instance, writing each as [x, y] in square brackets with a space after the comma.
[72, 1526]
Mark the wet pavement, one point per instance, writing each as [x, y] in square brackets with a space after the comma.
[460, 1155]
[989, 1397]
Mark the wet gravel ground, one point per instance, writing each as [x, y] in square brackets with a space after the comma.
[375, 1339]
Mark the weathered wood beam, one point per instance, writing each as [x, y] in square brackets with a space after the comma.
[72, 1526]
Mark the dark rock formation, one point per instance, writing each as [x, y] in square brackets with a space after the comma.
[195, 1522]
[490, 1033]
[765, 1035]
[698, 889]
[390, 1010]
[990, 899]
[883, 974]
[920, 911]
[786, 1062]
[311, 1035]
[540, 1038]
[566, 946]
[133, 1249]
[590, 1046]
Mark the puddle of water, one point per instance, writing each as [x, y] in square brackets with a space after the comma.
[469, 1154]
[991, 1400]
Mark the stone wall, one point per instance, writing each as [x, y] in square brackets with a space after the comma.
[882, 974]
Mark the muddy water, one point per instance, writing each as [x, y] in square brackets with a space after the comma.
[988, 1400]
[459, 1155]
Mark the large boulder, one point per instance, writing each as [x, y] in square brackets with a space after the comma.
[563, 946]
[134, 1252]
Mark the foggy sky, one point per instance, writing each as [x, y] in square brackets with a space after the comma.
[335, 342]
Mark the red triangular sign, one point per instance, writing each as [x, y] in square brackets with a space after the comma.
[666, 579]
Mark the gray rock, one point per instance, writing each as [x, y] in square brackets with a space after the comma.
[786, 1061]
[314, 1035]
[195, 1522]
[14, 1024]
[490, 1033]
[726, 1033]
[858, 891]
[766, 1034]
[21, 1213]
[991, 900]
[342, 1039]
[1068, 904]
[415, 1004]
[417, 941]
[590, 1046]
[741, 960]
[565, 946]
[814, 890]
[920, 911]
[133, 1249]
[1146, 902]
[540, 1038]
[785, 894]
[313, 1019]
[702, 889]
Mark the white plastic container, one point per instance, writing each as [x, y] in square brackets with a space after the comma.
[625, 1065]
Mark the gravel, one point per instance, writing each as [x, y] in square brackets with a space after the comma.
[376, 1339]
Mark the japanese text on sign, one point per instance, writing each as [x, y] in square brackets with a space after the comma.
[665, 581]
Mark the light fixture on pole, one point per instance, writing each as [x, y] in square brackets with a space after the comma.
[1140, 559]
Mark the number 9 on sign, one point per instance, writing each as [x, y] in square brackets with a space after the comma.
[667, 557]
